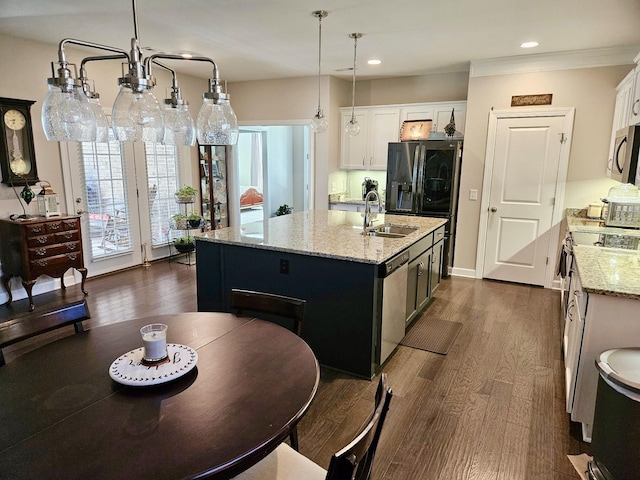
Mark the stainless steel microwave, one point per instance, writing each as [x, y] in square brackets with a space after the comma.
[624, 166]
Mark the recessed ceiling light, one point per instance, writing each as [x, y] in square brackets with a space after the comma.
[529, 44]
[374, 62]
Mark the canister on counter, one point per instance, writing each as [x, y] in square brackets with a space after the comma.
[594, 210]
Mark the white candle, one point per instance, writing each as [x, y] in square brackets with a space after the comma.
[154, 340]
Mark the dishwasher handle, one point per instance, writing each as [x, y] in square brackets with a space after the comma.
[395, 263]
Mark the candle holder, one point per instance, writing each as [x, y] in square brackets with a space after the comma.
[154, 340]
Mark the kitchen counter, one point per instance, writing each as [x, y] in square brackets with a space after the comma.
[325, 233]
[609, 271]
[605, 271]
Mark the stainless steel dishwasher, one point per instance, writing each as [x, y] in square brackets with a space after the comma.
[394, 303]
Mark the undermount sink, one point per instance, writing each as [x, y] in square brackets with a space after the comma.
[392, 231]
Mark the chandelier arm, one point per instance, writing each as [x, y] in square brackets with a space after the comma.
[62, 58]
[215, 84]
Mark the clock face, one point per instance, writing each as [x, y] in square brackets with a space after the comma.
[14, 119]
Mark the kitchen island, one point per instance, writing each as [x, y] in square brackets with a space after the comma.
[322, 257]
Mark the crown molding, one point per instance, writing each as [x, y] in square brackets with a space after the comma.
[544, 62]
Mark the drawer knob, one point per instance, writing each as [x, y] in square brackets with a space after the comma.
[41, 252]
[42, 240]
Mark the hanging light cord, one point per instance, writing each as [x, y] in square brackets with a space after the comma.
[353, 88]
[319, 56]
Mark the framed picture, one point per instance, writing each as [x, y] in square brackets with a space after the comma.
[415, 130]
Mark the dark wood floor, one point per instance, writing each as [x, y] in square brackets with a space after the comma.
[493, 408]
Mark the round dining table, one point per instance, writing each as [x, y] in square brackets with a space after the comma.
[63, 416]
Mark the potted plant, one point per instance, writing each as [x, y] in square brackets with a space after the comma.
[186, 194]
[184, 244]
[194, 220]
[180, 221]
[284, 210]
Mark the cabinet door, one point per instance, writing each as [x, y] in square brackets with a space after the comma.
[412, 290]
[634, 114]
[416, 112]
[424, 272]
[442, 116]
[384, 127]
[436, 267]
[353, 150]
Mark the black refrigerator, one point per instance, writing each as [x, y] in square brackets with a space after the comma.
[423, 178]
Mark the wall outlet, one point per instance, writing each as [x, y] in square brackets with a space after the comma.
[284, 266]
[473, 194]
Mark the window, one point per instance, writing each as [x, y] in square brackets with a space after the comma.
[103, 173]
[163, 181]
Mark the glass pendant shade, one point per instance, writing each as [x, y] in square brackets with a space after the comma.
[68, 116]
[137, 116]
[319, 123]
[102, 124]
[217, 123]
[352, 128]
[178, 126]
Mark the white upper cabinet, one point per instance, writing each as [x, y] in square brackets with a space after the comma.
[368, 149]
[634, 114]
[380, 125]
[627, 108]
[442, 116]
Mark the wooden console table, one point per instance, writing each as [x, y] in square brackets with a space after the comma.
[40, 246]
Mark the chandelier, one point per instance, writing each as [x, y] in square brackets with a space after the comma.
[319, 122]
[71, 111]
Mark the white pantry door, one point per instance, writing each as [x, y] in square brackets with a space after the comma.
[525, 155]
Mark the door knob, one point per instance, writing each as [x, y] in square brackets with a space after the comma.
[494, 209]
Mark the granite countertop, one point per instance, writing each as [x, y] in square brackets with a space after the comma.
[609, 271]
[325, 233]
[605, 271]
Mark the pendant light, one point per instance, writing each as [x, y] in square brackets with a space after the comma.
[353, 127]
[319, 122]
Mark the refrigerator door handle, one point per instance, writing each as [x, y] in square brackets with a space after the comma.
[414, 182]
[418, 179]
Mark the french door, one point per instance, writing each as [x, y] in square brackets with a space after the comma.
[124, 194]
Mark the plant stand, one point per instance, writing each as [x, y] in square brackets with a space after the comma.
[183, 254]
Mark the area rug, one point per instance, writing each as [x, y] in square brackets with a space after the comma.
[432, 334]
[580, 462]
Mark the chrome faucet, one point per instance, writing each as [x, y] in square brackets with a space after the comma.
[367, 210]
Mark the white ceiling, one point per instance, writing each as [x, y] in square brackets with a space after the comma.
[264, 39]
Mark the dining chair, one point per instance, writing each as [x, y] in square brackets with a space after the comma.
[353, 462]
[271, 304]
[22, 328]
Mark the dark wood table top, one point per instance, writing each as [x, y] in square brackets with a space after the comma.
[61, 415]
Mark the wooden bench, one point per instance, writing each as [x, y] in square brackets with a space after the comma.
[19, 329]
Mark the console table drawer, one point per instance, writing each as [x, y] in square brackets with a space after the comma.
[53, 238]
[55, 266]
[49, 251]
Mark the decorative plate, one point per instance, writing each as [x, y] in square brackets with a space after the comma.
[128, 369]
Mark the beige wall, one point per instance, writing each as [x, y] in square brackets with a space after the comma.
[591, 91]
[444, 87]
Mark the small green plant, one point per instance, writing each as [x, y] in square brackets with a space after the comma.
[186, 194]
[194, 220]
[284, 210]
[179, 216]
[188, 240]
